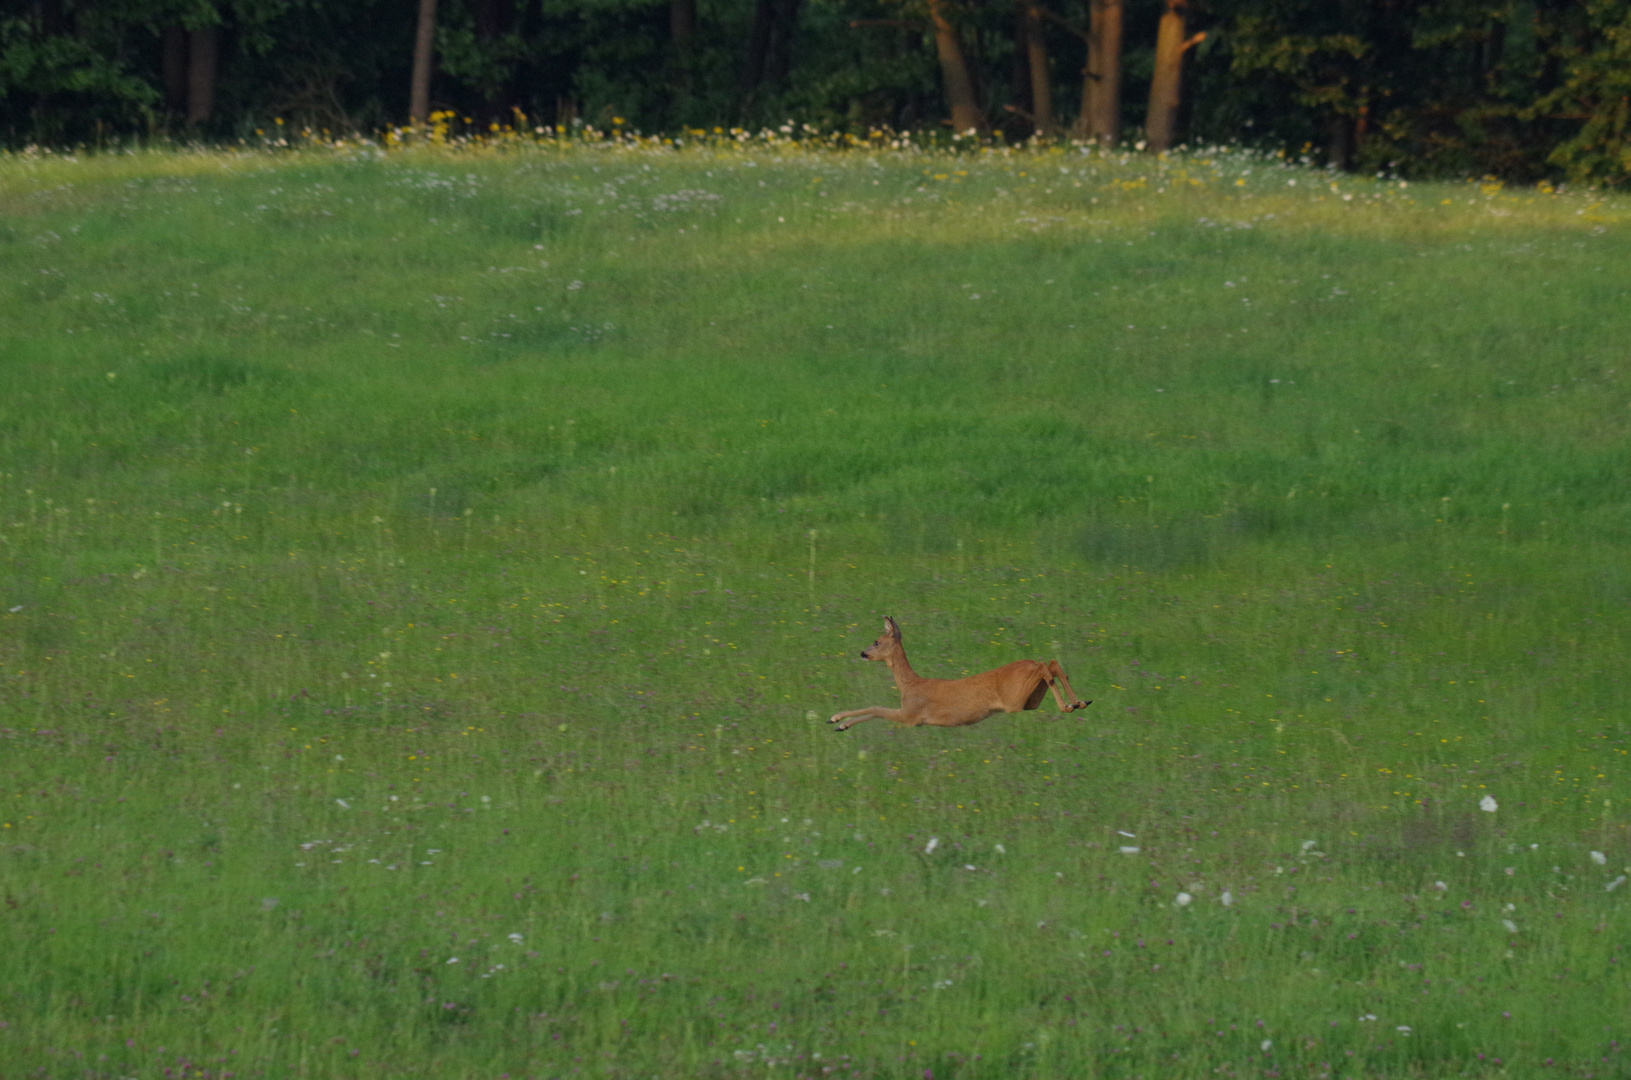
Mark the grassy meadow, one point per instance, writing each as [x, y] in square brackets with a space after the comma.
[425, 577]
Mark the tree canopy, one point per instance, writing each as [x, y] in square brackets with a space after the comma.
[1521, 89]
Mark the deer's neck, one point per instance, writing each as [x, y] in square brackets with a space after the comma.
[901, 668]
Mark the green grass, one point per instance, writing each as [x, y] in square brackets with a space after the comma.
[456, 555]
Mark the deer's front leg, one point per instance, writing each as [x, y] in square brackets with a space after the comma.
[847, 720]
[1056, 680]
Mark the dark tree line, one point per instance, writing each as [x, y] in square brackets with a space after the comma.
[1518, 88]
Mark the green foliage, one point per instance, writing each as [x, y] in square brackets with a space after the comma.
[1597, 89]
[1434, 89]
[57, 87]
[1428, 88]
[424, 576]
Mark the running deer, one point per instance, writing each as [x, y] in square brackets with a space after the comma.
[956, 702]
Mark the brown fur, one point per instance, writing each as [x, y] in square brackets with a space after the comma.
[956, 702]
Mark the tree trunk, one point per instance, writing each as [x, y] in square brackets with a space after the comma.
[1100, 119]
[959, 88]
[753, 65]
[682, 35]
[202, 52]
[779, 56]
[1036, 59]
[1339, 143]
[770, 47]
[494, 19]
[174, 66]
[682, 22]
[424, 43]
[1161, 121]
[53, 18]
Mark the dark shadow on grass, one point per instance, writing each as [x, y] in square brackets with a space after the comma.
[1171, 542]
[211, 373]
[550, 335]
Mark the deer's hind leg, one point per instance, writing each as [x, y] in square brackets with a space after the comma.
[847, 720]
[1056, 679]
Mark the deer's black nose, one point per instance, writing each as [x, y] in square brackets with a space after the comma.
[863, 654]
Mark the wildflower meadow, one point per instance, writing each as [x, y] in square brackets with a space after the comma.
[426, 573]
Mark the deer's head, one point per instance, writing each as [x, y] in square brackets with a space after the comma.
[887, 645]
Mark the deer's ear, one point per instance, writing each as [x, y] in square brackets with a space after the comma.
[890, 627]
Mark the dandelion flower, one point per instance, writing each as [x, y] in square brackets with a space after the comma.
[1488, 804]
[1183, 899]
